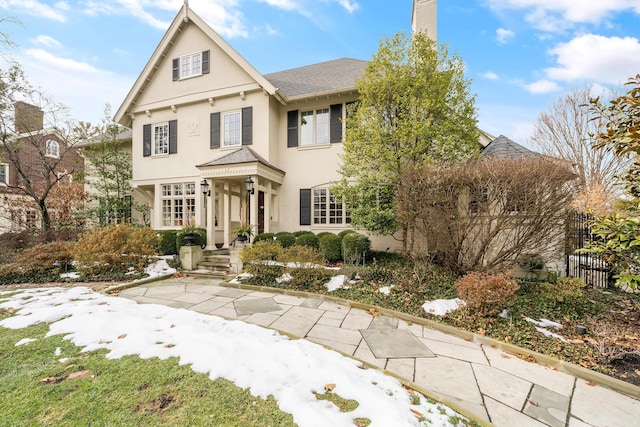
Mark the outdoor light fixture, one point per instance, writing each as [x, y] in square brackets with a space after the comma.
[249, 184]
[204, 186]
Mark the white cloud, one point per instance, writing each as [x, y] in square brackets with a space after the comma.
[271, 31]
[283, 4]
[46, 41]
[301, 6]
[553, 15]
[609, 60]
[503, 35]
[542, 86]
[224, 16]
[36, 8]
[489, 75]
[350, 6]
[76, 84]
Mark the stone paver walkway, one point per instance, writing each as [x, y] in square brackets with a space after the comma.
[482, 382]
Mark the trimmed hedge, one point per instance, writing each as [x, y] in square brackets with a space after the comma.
[331, 247]
[355, 246]
[168, 241]
[263, 237]
[307, 239]
[286, 239]
[345, 232]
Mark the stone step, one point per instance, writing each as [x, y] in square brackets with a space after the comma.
[208, 274]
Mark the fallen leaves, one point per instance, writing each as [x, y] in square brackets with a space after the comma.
[329, 387]
[73, 376]
[373, 312]
[416, 413]
[122, 336]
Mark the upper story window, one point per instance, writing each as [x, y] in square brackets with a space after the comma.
[320, 126]
[232, 129]
[314, 127]
[191, 65]
[160, 139]
[4, 174]
[52, 149]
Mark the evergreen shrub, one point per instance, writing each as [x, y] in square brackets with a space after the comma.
[355, 246]
[331, 247]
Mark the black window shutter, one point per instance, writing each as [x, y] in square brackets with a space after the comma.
[146, 140]
[173, 136]
[335, 123]
[176, 69]
[305, 206]
[205, 62]
[352, 107]
[215, 130]
[292, 128]
[247, 126]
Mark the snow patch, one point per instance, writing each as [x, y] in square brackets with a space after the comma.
[440, 307]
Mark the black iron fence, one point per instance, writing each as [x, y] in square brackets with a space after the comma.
[592, 268]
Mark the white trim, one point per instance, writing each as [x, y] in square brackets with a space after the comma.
[50, 153]
[5, 166]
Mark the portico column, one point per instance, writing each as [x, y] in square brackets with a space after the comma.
[210, 220]
[226, 216]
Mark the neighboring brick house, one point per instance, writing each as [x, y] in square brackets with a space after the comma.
[44, 157]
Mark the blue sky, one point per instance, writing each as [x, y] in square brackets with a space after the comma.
[521, 55]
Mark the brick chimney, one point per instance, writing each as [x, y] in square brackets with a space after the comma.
[28, 118]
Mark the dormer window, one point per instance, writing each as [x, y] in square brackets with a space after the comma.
[191, 65]
[53, 149]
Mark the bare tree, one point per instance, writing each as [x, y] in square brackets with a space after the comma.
[36, 142]
[489, 214]
[566, 132]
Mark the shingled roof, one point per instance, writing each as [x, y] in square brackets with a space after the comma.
[504, 147]
[324, 77]
[242, 155]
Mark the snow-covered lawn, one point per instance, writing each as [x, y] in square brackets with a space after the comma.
[250, 356]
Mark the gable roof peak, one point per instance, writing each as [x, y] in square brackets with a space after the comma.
[184, 16]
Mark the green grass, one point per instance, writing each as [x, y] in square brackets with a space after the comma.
[123, 392]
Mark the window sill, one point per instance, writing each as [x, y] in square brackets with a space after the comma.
[314, 147]
[190, 77]
[230, 147]
[159, 156]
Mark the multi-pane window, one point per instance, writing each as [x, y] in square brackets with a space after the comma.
[191, 65]
[314, 127]
[52, 149]
[178, 204]
[31, 219]
[232, 129]
[160, 139]
[328, 209]
[4, 174]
